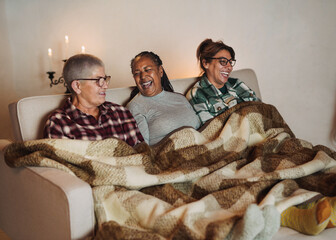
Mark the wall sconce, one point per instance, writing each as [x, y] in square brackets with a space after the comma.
[51, 73]
[56, 81]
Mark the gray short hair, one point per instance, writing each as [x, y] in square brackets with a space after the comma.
[79, 66]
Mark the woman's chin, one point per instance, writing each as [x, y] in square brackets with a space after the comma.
[224, 80]
[148, 93]
[102, 99]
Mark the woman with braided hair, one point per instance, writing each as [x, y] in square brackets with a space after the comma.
[157, 109]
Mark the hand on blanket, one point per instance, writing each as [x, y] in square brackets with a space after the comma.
[253, 224]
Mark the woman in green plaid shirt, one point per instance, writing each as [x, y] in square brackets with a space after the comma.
[216, 92]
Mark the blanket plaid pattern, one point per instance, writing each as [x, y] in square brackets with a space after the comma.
[193, 184]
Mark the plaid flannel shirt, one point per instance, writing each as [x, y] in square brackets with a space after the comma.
[114, 121]
[208, 101]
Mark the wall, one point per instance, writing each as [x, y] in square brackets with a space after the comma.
[7, 90]
[289, 44]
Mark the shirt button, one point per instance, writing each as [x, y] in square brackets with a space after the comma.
[219, 108]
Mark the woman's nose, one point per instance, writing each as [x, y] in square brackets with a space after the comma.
[105, 85]
[142, 75]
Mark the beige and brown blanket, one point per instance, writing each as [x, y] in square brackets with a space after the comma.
[193, 184]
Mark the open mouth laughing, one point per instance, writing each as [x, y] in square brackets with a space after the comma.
[225, 74]
[146, 85]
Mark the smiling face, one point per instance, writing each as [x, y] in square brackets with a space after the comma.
[88, 94]
[217, 74]
[147, 76]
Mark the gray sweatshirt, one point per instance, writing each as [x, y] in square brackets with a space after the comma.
[159, 115]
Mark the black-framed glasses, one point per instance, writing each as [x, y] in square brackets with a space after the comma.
[224, 61]
[100, 81]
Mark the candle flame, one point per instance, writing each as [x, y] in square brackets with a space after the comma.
[66, 39]
[49, 52]
[83, 49]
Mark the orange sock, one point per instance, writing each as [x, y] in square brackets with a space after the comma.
[332, 222]
[323, 211]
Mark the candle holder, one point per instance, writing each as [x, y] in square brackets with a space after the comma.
[55, 81]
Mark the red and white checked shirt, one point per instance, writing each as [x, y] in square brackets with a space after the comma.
[114, 121]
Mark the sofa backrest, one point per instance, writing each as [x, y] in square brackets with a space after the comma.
[28, 115]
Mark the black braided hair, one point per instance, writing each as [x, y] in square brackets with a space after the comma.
[166, 85]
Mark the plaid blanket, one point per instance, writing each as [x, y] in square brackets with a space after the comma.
[193, 184]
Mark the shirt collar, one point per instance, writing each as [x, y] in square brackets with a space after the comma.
[76, 113]
[205, 83]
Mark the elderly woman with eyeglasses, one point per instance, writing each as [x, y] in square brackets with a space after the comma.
[86, 115]
[216, 92]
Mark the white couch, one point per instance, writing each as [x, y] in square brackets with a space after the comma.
[46, 203]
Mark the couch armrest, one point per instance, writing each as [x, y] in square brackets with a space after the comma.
[44, 203]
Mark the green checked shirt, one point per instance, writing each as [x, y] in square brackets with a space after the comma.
[208, 101]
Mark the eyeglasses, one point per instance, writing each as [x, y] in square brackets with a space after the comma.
[100, 81]
[224, 61]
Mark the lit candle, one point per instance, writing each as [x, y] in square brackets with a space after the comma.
[83, 49]
[50, 59]
[66, 38]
